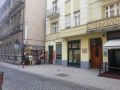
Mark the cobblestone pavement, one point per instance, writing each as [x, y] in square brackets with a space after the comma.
[17, 80]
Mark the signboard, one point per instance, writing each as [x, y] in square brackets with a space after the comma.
[105, 52]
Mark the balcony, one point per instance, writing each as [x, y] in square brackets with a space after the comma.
[53, 13]
[74, 31]
[104, 25]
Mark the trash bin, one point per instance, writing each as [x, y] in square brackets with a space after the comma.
[1, 80]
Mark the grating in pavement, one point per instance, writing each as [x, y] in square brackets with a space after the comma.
[62, 75]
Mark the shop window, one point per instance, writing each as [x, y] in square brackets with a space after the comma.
[75, 45]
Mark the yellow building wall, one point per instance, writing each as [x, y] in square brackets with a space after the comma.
[64, 50]
[49, 22]
[75, 31]
[76, 5]
[85, 46]
[85, 40]
[95, 10]
[105, 57]
[67, 7]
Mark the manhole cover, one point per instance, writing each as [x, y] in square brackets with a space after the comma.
[62, 75]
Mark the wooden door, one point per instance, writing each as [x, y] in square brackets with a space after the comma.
[96, 53]
[96, 57]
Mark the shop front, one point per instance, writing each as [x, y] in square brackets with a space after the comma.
[74, 53]
[113, 46]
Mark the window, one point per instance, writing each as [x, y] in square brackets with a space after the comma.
[118, 9]
[55, 6]
[112, 10]
[77, 18]
[68, 21]
[74, 53]
[54, 27]
[106, 11]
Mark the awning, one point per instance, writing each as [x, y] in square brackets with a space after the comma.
[112, 44]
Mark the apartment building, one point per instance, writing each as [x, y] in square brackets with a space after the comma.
[22, 30]
[83, 33]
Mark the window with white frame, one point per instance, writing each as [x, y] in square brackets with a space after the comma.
[54, 27]
[68, 21]
[77, 18]
[112, 10]
[55, 5]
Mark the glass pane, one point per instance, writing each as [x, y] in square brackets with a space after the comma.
[69, 45]
[106, 14]
[111, 6]
[76, 56]
[112, 13]
[118, 58]
[70, 55]
[106, 8]
[118, 12]
[75, 45]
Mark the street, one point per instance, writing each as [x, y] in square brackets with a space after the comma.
[18, 80]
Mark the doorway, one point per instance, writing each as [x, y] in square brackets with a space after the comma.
[96, 53]
[58, 53]
[74, 53]
[50, 55]
[114, 60]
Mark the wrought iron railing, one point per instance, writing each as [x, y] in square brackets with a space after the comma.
[53, 12]
[105, 24]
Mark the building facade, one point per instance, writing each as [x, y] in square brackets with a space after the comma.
[78, 32]
[22, 30]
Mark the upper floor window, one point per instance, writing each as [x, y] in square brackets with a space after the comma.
[77, 18]
[67, 20]
[54, 27]
[112, 10]
[54, 5]
[118, 8]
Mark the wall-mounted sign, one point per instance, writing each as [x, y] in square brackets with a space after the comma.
[105, 52]
[84, 50]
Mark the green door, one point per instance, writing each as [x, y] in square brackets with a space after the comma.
[58, 53]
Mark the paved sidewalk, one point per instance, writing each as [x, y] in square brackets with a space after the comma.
[79, 76]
